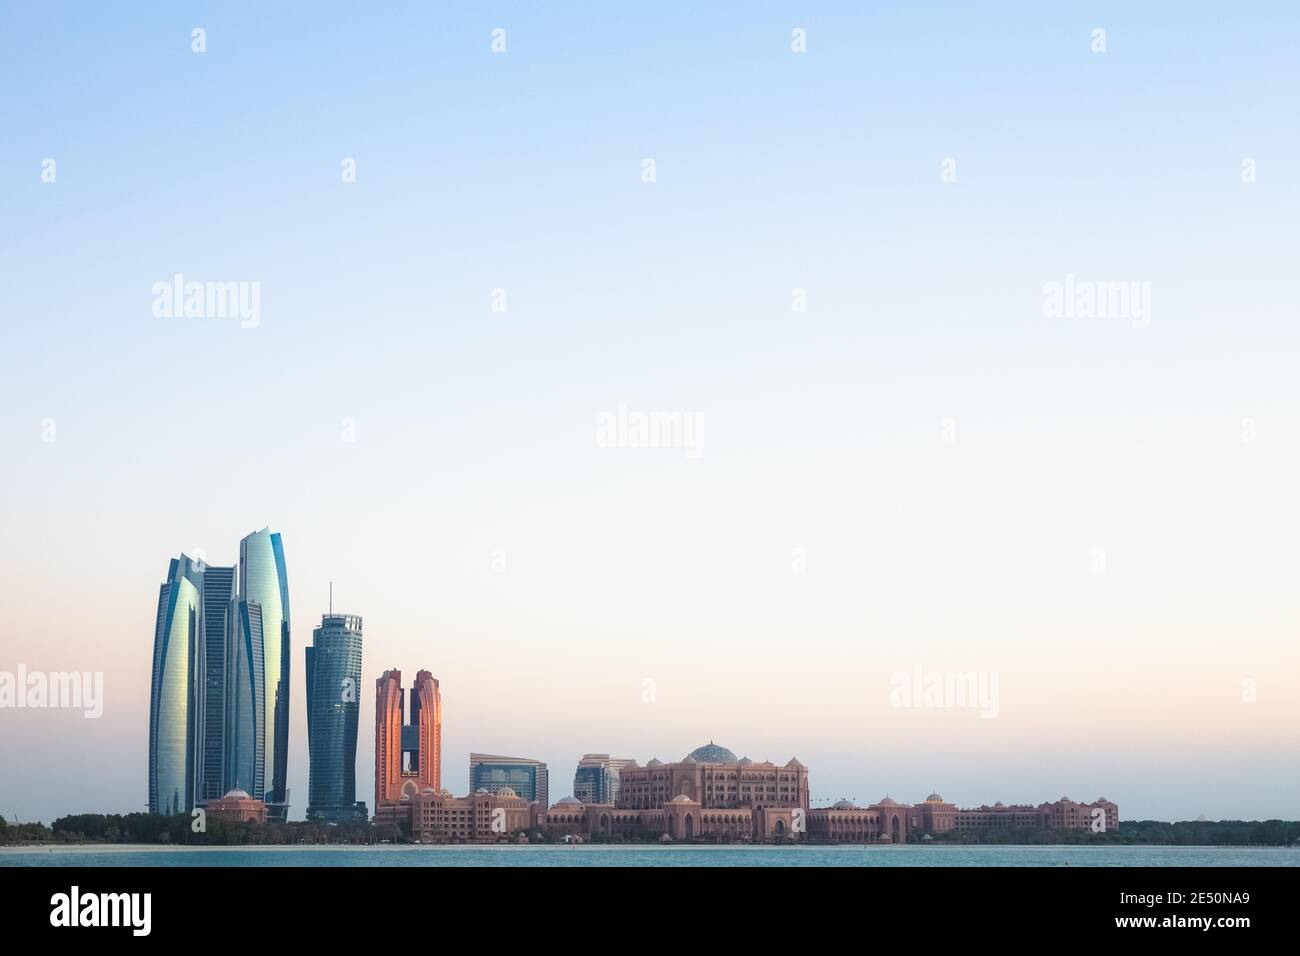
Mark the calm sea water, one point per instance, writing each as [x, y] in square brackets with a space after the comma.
[651, 856]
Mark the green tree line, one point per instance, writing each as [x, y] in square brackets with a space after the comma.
[152, 828]
[1144, 833]
[155, 828]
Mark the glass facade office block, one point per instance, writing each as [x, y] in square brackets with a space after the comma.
[333, 710]
[218, 590]
[527, 778]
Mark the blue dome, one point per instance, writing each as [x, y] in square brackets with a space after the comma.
[711, 753]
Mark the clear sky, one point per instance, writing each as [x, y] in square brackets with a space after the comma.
[923, 468]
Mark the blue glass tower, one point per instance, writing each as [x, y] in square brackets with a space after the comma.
[333, 709]
[262, 581]
[211, 683]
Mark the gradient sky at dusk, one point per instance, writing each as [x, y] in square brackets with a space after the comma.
[1170, 450]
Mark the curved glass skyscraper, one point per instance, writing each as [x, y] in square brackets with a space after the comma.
[219, 701]
[173, 708]
[333, 708]
[262, 581]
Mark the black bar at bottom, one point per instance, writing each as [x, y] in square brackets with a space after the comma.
[213, 905]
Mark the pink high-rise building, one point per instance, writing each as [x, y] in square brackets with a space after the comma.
[408, 756]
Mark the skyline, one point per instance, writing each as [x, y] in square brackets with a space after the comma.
[889, 448]
[186, 568]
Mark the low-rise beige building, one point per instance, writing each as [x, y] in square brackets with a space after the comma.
[438, 817]
[890, 821]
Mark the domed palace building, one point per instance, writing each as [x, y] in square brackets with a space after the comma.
[237, 807]
[710, 793]
[714, 796]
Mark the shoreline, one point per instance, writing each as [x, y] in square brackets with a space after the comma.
[69, 848]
